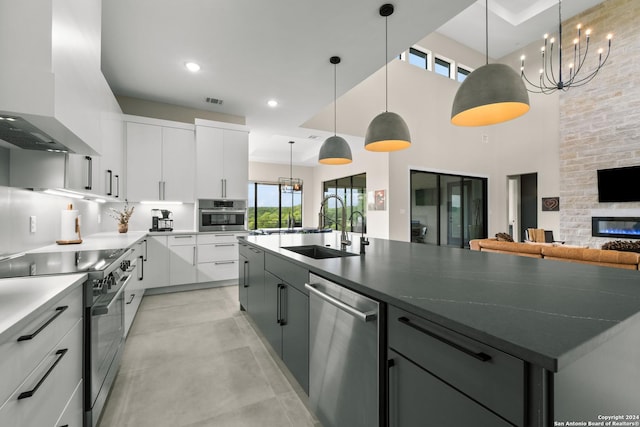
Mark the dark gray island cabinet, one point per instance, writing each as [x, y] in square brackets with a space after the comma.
[473, 339]
[271, 290]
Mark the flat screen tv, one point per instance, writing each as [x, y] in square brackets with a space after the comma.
[619, 184]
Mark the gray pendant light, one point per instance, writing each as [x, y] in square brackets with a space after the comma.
[387, 131]
[334, 150]
[494, 93]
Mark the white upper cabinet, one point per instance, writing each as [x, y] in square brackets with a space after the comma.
[83, 173]
[222, 160]
[111, 172]
[53, 79]
[160, 160]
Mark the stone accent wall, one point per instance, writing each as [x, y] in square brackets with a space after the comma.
[599, 122]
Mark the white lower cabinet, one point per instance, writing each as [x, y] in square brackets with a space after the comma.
[182, 259]
[218, 256]
[43, 396]
[153, 272]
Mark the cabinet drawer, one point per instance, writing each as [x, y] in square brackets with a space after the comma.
[19, 358]
[416, 396]
[57, 375]
[73, 413]
[217, 252]
[489, 376]
[286, 270]
[219, 270]
[218, 238]
[181, 240]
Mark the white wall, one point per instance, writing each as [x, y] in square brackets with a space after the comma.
[527, 144]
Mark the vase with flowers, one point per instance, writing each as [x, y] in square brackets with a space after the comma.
[122, 216]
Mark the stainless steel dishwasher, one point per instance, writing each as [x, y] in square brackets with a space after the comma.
[344, 355]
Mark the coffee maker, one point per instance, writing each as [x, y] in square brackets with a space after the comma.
[161, 220]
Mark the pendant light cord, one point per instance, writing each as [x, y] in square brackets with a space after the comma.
[486, 31]
[386, 73]
[335, 97]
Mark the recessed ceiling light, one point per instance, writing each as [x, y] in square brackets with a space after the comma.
[272, 103]
[192, 66]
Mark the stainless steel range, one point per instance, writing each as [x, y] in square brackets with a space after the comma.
[108, 274]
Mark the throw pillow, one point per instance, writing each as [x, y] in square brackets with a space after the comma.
[622, 245]
[504, 237]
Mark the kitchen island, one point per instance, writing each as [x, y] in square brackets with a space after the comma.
[568, 333]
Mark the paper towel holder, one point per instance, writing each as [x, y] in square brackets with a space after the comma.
[76, 230]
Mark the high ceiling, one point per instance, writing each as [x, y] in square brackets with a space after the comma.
[254, 50]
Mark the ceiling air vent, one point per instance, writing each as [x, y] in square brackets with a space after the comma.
[214, 101]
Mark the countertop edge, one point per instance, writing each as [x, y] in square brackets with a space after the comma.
[74, 280]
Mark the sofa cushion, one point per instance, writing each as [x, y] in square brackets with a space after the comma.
[516, 248]
[593, 256]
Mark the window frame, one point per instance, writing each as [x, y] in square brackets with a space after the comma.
[255, 206]
[450, 63]
[351, 207]
[464, 68]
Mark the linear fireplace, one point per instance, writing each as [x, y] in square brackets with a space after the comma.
[608, 226]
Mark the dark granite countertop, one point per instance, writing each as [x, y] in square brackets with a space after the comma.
[546, 312]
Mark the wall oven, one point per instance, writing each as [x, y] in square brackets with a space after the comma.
[222, 215]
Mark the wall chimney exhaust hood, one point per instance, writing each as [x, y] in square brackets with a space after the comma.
[50, 79]
[19, 132]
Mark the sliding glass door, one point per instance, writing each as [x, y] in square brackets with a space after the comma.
[447, 209]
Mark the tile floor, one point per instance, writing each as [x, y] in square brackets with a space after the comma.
[192, 359]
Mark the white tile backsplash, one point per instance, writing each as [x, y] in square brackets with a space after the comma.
[17, 205]
[183, 216]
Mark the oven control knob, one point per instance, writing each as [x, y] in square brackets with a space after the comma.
[124, 265]
[98, 287]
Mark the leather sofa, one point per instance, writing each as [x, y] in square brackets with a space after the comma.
[606, 258]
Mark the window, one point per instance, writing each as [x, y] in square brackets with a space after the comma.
[418, 58]
[269, 207]
[462, 74]
[351, 189]
[442, 67]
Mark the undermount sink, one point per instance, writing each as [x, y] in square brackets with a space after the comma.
[318, 252]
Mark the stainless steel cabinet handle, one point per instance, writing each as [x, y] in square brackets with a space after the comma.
[218, 245]
[110, 192]
[131, 298]
[483, 357]
[224, 262]
[146, 249]
[89, 173]
[60, 353]
[364, 316]
[117, 185]
[183, 237]
[227, 235]
[164, 190]
[222, 187]
[159, 190]
[59, 311]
